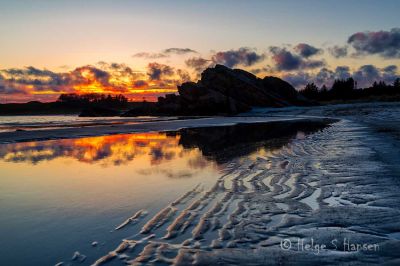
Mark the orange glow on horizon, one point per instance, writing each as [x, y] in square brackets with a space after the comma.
[33, 85]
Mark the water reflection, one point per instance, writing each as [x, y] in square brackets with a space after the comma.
[219, 144]
[81, 188]
[115, 149]
[224, 143]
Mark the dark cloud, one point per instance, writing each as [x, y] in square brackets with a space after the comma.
[383, 43]
[183, 75]
[147, 55]
[364, 75]
[313, 63]
[257, 71]
[31, 74]
[140, 84]
[30, 70]
[323, 76]
[42, 80]
[243, 56]
[326, 76]
[90, 74]
[306, 50]
[112, 78]
[198, 63]
[117, 70]
[392, 69]
[389, 73]
[342, 72]
[368, 74]
[156, 71]
[298, 79]
[338, 51]
[5, 89]
[98, 74]
[179, 51]
[165, 53]
[287, 61]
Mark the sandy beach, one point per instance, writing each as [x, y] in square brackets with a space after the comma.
[290, 185]
[334, 191]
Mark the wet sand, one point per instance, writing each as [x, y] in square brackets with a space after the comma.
[332, 190]
[325, 188]
[326, 196]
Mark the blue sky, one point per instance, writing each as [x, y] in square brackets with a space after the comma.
[114, 29]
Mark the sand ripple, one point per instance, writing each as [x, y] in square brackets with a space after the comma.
[323, 186]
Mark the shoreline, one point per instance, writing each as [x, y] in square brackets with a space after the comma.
[153, 126]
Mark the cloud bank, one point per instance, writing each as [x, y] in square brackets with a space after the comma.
[306, 50]
[298, 64]
[365, 75]
[383, 43]
[338, 51]
[243, 56]
[30, 83]
[285, 60]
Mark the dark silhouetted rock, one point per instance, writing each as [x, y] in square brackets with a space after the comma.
[225, 90]
[198, 99]
[222, 90]
[281, 88]
[250, 90]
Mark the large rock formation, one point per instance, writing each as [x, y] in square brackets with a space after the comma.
[222, 90]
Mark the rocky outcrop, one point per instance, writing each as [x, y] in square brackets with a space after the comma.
[222, 90]
[248, 89]
[197, 98]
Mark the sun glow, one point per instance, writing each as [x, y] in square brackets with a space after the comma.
[45, 85]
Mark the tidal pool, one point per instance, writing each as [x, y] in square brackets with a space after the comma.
[58, 197]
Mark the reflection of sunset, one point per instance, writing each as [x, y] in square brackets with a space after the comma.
[106, 150]
[100, 171]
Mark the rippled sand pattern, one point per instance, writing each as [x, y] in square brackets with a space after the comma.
[327, 185]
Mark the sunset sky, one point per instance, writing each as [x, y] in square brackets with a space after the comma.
[146, 48]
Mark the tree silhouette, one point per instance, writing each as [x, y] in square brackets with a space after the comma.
[342, 88]
[346, 89]
[92, 99]
[310, 91]
[396, 83]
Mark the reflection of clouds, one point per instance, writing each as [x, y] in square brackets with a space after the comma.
[160, 154]
[170, 173]
[179, 174]
[198, 162]
[194, 148]
[108, 150]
